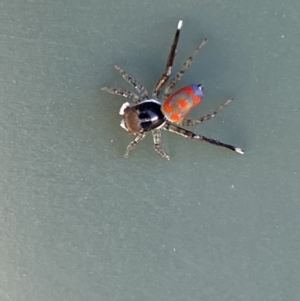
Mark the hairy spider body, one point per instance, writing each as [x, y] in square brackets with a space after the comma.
[146, 114]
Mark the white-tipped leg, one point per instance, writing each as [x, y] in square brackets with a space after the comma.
[188, 134]
[180, 23]
[239, 150]
[168, 69]
[183, 69]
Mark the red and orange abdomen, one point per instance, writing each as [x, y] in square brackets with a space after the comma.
[181, 102]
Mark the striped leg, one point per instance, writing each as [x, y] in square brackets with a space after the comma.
[183, 69]
[157, 140]
[188, 134]
[168, 69]
[121, 92]
[138, 87]
[189, 122]
[134, 143]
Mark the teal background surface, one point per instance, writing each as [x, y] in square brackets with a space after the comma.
[80, 222]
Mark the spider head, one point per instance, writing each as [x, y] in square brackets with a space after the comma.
[130, 121]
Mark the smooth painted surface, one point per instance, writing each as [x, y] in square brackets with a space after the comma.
[80, 222]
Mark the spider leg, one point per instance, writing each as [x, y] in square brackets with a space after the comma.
[190, 122]
[168, 69]
[183, 69]
[138, 86]
[127, 94]
[134, 143]
[157, 140]
[188, 134]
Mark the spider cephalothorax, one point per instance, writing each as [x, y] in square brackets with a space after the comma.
[146, 114]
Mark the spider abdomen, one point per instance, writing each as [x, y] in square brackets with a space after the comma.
[181, 102]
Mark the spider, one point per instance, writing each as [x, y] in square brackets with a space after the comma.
[146, 113]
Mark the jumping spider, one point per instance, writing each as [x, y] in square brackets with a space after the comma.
[146, 114]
